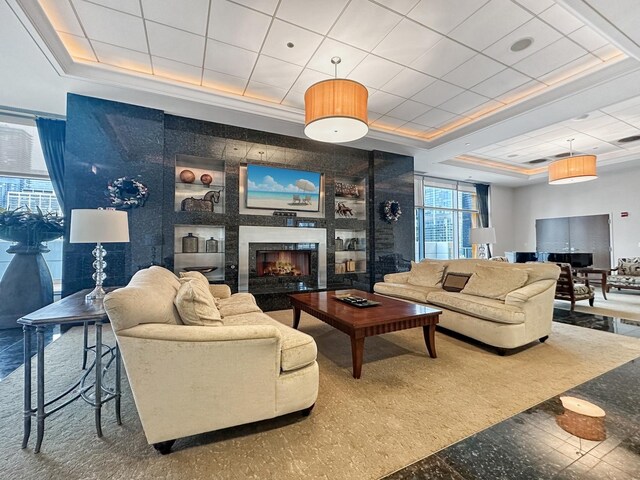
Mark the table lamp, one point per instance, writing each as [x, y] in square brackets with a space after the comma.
[98, 226]
[481, 237]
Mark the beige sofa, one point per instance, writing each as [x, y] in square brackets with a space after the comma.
[190, 379]
[523, 316]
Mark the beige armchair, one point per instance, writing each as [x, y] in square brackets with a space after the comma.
[192, 379]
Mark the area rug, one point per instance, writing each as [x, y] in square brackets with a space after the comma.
[405, 407]
[619, 304]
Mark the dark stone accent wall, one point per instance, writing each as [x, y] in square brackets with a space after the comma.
[391, 179]
[107, 140]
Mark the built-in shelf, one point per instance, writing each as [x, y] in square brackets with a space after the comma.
[201, 258]
[350, 251]
[195, 196]
[350, 198]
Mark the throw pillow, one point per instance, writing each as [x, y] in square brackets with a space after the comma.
[195, 305]
[455, 282]
[197, 276]
[629, 268]
[426, 274]
[494, 282]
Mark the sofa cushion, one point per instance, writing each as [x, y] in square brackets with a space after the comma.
[485, 308]
[197, 276]
[298, 348]
[148, 298]
[229, 309]
[623, 280]
[582, 289]
[195, 304]
[426, 274]
[455, 282]
[404, 290]
[494, 282]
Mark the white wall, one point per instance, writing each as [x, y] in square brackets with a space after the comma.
[612, 193]
[501, 212]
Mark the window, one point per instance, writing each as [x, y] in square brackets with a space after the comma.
[24, 181]
[445, 213]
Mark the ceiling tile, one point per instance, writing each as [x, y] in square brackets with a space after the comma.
[316, 16]
[364, 24]
[588, 39]
[483, 109]
[126, 6]
[174, 14]
[121, 57]
[268, 93]
[492, 22]
[501, 83]
[474, 71]
[550, 58]
[406, 42]
[413, 129]
[437, 93]
[381, 102]
[294, 99]
[62, 17]
[265, 6]
[442, 58]
[463, 102]
[274, 72]
[535, 6]
[231, 23]
[388, 123]
[374, 71]
[224, 82]
[280, 33]
[435, 118]
[225, 58]
[401, 6]
[579, 66]
[109, 26]
[176, 70]
[559, 18]
[608, 52]
[78, 47]
[407, 83]
[444, 15]
[541, 33]
[350, 58]
[175, 44]
[408, 110]
[307, 78]
[530, 88]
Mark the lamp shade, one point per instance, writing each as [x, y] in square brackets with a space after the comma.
[581, 168]
[99, 226]
[336, 111]
[480, 236]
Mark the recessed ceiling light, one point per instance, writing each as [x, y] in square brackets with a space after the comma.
[522, 44]
[513, 155]
[632, 138]
[584, 116]
[537, 160]
[562, 155]
[290, 44]
[467, 144]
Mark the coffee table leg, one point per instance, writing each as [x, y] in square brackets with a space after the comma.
[357, 352]
[429, 332]
[296, 317]
[603, 284]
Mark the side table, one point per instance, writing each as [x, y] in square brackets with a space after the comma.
[69, 310]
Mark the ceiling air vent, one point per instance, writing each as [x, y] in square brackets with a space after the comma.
[632, 138]
[562, 155]
[537, 160]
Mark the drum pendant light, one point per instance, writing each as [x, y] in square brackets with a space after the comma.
[573, 169]
[336, 109]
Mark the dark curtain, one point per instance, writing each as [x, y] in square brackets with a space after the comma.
[52, 136]
[482, 191]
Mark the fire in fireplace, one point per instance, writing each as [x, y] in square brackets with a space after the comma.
[283, 263]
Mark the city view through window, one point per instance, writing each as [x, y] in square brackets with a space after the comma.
[445, 212]
[24, 182]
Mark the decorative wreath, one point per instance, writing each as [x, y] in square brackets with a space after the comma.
[392, 211]
[126, 192]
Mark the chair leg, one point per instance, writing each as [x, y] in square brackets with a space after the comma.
[164, 447]
[501, 351]
[573, 305]
[591, 301]
[544, 339]
[307, 411]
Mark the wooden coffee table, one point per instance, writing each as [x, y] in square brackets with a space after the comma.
[392, 315]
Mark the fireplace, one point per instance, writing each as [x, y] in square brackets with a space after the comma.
[266, 264]
[283, 263]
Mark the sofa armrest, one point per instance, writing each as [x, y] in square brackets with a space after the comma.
[524, 294]
[402, 277]
[220, 291]
[197, 334]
